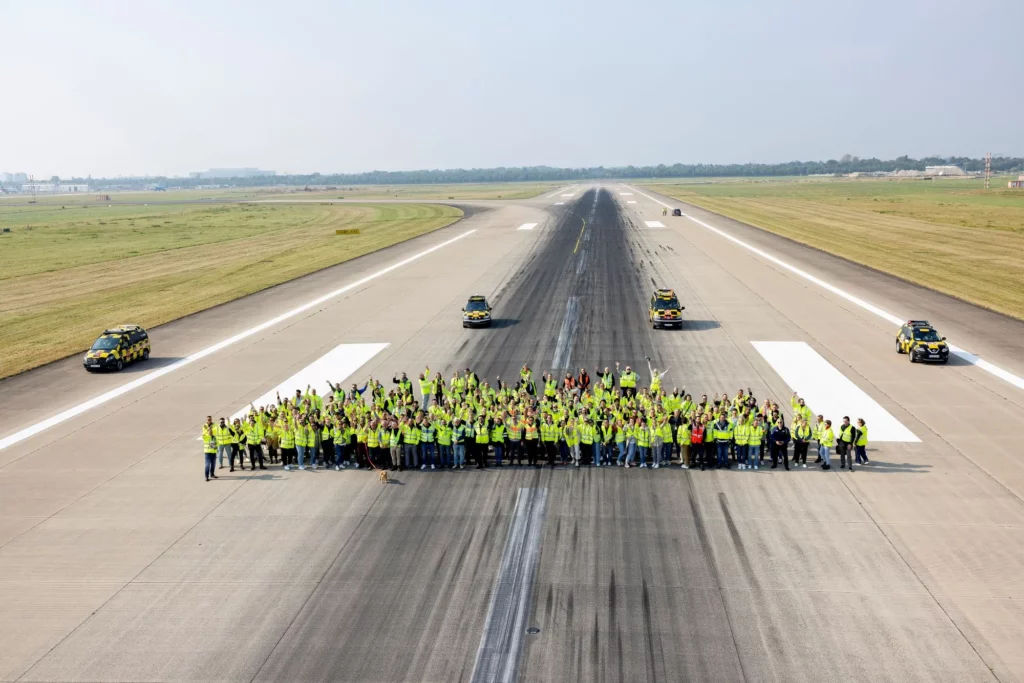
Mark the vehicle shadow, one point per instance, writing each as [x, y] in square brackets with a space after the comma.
[153, 363]
[878, 465]
[501, 323]
[699, 325]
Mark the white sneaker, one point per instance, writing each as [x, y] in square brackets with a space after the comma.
[656, 465]
[313, 467]
[423, 467]
[337, 468]
[643, 465]
[742, 466]
[288, 467]
[432, 467]
[755, 467]
[597, 464]
[626, 465]
[684, 466]
[302, 467]
[356, 465]
[577, 464]
[804, 466]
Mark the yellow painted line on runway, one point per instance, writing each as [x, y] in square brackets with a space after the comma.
[580, 238]
[96, 401]
[971, 358]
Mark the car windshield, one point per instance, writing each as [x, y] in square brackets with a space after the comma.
[106, 343]
[662, 304]
[476, 306]
[927, 336]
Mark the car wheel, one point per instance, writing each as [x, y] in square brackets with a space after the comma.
[899, 347]
[145, 355]
[912, 358]
[119, 365]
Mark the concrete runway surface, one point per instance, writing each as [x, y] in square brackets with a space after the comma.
[119, 563]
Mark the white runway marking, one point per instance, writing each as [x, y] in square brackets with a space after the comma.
[553, 195]
[654, 224]
[336, 365]
[566, 195]
[828, 392]
[77, 410]
[527, 226]
[626, 194]
[990, 368]
[559, 203]
[567, 335]
[631, 201]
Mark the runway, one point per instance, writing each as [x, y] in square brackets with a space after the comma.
[118, 562]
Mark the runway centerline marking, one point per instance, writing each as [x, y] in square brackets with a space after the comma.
[964, 354]
[497, 658]
[566, 195]
[654, 224]
[631, 201]
[75, 411]
[829, 392]
[527, 226]
[625, 194]
[559, 203]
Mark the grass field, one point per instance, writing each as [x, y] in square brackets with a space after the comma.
[950, 234]
[451, 191]
[65, 274]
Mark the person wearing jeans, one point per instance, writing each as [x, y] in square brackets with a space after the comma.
[825, 443]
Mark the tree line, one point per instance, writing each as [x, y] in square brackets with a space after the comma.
[846, 164]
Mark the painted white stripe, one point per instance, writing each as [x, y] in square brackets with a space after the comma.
[77, 410]
[631, 201]
[654, 224]
[626, 194]
[567, 195]
[828, 392]
[559, 203]
[971, 358]
[527, 226]
[336, 365]
[555, 194]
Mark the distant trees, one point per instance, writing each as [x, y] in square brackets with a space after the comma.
[845, 164]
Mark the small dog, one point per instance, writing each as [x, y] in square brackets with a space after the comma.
[383, 476]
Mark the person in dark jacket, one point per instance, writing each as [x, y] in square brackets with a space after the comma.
[779, 440]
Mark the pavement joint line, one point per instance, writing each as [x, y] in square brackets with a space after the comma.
[971, 358]
[75, 411]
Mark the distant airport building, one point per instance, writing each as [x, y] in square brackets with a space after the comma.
[944, 170]
[54, 188]
[1017, 184]
[231, 173]
[15, 178]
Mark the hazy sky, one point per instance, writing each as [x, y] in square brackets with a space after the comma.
[170, 87]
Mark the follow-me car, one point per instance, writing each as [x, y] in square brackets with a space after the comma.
[920, 340]
[477, 312]
[117, 347]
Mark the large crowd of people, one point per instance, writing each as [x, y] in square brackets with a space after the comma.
[573, 421]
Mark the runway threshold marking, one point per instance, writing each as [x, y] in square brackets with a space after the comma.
[497, 658]
[654, 224]
[829, 392]
[961, 353]
[337, 365]
[527, 226]
[75, 411]
[559, 203]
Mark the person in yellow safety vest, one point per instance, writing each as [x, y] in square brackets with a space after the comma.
[861, 444]
[531, 440]
[826, 439]
[590, 441]
[607, 379]
[740, 433]
[722, 433]
[209, 448]
[287, 439]
[571, 434]
[514, 429]
[800, 408]
[339, 437]
[404, 385]
[222, 434]
[550, 385]
[817, 432]
[317, 402]
[683, 432]
[802, 434]
[844, 444]
[498, 441]
[482, 440]
[236, 438]
[627, 380]
[426, 386]
[642, 434]
[655, 377]
[755, 436]
[549, 439]
[254, 434]
[444, 443]
[411, 444]
[299, 430]
[394, 445]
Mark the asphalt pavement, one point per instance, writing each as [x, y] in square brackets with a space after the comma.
[118, 562]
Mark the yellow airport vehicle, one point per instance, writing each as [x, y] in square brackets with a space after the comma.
[117, 347]
[921, 342]
[477, 312]
[665, 309]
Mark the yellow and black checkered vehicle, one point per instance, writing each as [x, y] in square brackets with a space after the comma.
[117, 347]
[665, 311]
[919, 340]
[476, 312]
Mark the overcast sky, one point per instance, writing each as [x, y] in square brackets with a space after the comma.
[166, 88]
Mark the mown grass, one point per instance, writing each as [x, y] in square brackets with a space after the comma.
[950, 235]
[67, 274]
